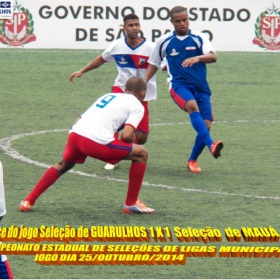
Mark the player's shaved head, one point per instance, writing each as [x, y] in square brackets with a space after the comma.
[135, 85]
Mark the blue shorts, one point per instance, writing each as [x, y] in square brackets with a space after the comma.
[181, 94]
[5, 269]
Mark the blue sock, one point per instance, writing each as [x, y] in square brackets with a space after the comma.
[201, 129]
[197, 149]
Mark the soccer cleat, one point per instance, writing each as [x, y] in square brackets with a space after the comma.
[110, 166]
[193, 166]
[216, 148]
[25, 206]
[138, 208]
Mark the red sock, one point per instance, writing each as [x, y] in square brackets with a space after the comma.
[136, 175]
[49, 177]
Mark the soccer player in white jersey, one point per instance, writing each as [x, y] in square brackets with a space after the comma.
[5, 269]
[187, 52]
[130, 54]
[93, 135]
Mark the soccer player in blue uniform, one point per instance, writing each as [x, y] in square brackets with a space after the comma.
[186, 52]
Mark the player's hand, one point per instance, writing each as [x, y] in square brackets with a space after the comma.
[189, 62]
[75, 74]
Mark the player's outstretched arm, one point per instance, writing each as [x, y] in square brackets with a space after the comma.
[95, 63]
[75, 74]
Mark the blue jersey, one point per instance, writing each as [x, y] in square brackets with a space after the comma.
[178, 48]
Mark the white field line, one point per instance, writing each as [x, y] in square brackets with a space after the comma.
[5, 145]
[220, 122]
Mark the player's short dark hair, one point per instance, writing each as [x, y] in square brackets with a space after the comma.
[130, 16]
[176, 10]
[135, 84]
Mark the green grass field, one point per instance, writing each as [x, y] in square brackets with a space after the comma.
[241, 189]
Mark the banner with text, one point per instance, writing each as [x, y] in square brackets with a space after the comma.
[238, 25]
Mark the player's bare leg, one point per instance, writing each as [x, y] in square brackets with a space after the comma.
[140, 138]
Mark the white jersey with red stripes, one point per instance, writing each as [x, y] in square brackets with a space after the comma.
[108, 115]
[131, 62]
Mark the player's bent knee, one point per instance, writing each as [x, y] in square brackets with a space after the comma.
[140, 153]
[144, 154]
[191, 106]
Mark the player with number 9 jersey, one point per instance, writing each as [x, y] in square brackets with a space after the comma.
[110, 113]
[92, 135]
